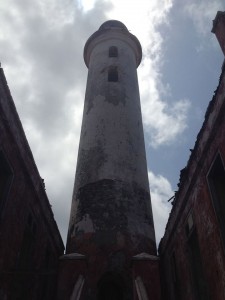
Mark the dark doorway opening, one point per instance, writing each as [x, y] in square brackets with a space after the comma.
[111, 287]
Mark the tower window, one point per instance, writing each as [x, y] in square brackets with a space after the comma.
[113, 74]
[113, 51]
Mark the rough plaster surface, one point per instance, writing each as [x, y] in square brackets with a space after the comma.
[111, 161]
[112, 141]
[111, 216]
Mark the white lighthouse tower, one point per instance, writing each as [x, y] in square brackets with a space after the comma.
[111, 221]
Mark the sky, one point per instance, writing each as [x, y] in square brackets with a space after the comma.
[41, 52]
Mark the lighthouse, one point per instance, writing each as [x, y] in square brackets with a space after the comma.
[111, 224]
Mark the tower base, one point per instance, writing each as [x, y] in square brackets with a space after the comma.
[71, 278]
[75, 281]
[146, 277]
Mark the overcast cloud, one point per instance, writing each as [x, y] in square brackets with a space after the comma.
[41, 50]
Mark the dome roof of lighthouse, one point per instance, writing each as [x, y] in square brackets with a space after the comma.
[112, 24]
[112, 29]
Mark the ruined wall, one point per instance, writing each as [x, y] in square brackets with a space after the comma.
[29, 237]
[192, 251]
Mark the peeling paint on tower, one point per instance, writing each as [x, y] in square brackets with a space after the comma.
[111, 216]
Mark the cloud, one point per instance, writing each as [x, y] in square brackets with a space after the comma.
[41, 50]
[161, 191]
[163, 122]
[202, 12]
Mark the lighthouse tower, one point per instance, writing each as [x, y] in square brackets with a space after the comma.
[111, 225]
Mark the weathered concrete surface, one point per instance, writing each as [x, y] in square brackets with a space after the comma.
[113, 222]
[112, 141]
[111, 216]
